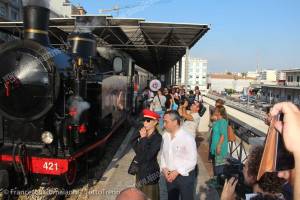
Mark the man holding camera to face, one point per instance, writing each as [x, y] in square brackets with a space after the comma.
[192, 118]
[289, 127]
[269, 186]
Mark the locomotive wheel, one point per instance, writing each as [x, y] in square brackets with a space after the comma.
[71, 174]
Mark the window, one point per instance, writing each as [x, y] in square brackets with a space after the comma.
[298, 79]
[14, 15]
[2, 10]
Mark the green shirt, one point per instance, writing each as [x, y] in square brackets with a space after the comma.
[219, 128]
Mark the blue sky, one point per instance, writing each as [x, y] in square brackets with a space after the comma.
[244, 33]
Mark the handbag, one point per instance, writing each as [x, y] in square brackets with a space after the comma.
[133, 167]
[202, 111]
[231, 136]
[163, 108]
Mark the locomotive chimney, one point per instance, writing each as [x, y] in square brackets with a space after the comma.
[83, 45]
[36, 20]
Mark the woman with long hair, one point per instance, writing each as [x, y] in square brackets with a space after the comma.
[219, 143]
[159, 106]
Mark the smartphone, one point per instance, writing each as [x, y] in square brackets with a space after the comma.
[285, 159]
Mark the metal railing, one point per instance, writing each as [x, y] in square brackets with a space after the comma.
[245, 135]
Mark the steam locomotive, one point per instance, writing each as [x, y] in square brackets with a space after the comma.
[57, 106]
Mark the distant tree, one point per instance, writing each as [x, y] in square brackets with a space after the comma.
[244, 74]
[230, 91]
[228, 73]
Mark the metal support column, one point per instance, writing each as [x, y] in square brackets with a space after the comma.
[186, 71]
[179, 71]
[174, 73]
[171, 75]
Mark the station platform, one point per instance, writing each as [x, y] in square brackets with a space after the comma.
[116, 178]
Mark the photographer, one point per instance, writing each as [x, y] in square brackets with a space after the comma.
[191, 119]
[290, 129]
[269, 184]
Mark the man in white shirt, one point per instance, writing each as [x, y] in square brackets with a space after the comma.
[178, 158]
[192, 119]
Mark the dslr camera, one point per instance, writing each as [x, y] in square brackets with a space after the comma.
[234, 168]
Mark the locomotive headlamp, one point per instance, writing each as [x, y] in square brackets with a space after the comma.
[47, 137]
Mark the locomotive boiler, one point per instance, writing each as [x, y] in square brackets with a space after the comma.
[56, 106]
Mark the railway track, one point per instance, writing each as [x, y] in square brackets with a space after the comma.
[244, 108]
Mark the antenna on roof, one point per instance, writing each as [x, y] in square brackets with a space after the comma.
[116, 8]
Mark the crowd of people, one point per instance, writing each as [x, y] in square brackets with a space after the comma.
[170, 121]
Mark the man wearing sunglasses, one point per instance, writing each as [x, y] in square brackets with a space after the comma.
[192, 118]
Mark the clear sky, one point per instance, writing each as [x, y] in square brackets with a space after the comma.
[244, 33]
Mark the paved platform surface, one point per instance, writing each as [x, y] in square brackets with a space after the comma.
[116, 178]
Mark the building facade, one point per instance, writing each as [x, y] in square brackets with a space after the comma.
[288, 90]
[10, 10]
[64, 9]
[281, 76]
[269, 75]
[219, 82]
[197, 73]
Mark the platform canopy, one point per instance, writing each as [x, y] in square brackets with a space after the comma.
[155, 46]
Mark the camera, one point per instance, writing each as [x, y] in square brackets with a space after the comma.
[234, 168]
[182, 101]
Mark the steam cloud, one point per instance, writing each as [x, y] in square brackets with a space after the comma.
[77, 103]
[40, 3]
[108, 53]
[87, 24]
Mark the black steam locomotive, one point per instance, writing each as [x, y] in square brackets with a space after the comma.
[56, 106]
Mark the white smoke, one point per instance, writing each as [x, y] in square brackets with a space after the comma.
[79, 106]
[88, 24]
[40, 3]
[108, 53]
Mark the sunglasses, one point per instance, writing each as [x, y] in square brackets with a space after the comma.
[147, 120]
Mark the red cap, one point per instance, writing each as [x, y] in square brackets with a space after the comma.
[150, 114]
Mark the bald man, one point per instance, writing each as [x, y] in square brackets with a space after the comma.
[131, 194]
